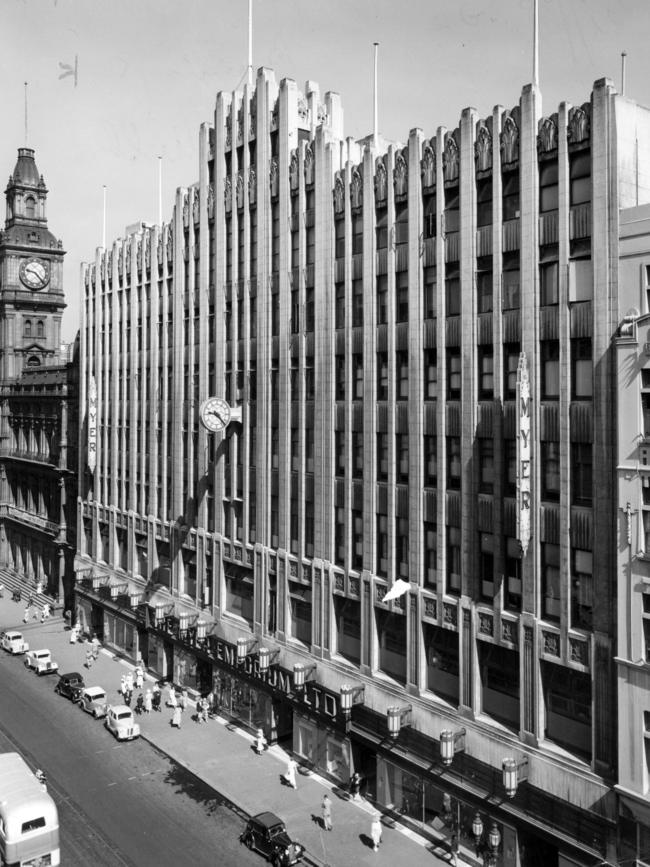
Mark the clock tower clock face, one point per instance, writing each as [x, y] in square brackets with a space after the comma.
[215, 414]
[34, 273]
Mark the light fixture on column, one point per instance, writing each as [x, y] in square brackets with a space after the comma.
[301, 673]
[398, 717]
[477, 831]
[494, 841]
[266, 658]
[450, 744]
[514, 772]
[244, 647]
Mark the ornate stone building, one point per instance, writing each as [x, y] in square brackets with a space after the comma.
[38, 394]
[348, 452]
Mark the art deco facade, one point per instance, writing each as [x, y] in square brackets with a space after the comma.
[413, 341]
[38, 395]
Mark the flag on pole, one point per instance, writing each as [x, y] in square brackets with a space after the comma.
[398, 589]
[69, 69]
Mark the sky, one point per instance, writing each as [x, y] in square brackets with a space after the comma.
[149, 72]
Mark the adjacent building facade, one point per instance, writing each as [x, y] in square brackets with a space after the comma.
[390, 538]
[38, 394]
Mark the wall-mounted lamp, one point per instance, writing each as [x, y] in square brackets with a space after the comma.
[266, 658]
[477, 831]
[494, 841]
[351, 695]
[450, 744]
[244, 647]
[514, 772]
[301, 673]
[398, 717]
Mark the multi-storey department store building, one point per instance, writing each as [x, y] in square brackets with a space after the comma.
[412, 348]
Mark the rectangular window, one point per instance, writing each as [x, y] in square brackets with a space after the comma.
[402, 547]
[510, 462]
[382, 376]
[402, 457]
[550, 454]
[402, 296]
[381, 229]
[357, 233]
[357, 376]
[486, 565]
[582, 589]
[510, 193]
[430, 460]
[452, 292]
[484, 291]
[580, 177]
[382, 544]
[401, 223]
[581, 369]
[357, 455]
[339, 377]
[453, 374]
[339, 535]
[429, 292]
[339, 456]
[548, 195]
[430, 374]
[510, 294]
[484, 202]
[402, 375]
[340, 305]
[382, 457]
[382, 299]
[339, 238]
[548, 284]
[452, 209]
[486, 465]
[429, 217]
[357, 303]
[453, 560]
[430, 540]
[453, 462]
[513, 574]
[551, 581]
[485, 373]
[357, 540]
[511, 352]
[550, 352]
[581, 473]
[295, 311]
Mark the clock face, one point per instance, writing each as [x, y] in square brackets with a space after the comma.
[35, 273]
[214, 414]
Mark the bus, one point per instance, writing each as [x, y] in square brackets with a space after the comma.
[29, 822]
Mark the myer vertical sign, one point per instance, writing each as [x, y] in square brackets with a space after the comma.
[523, 453]
[92, 424]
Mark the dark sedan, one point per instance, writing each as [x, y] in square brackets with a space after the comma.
[267, 833]
[70, 685]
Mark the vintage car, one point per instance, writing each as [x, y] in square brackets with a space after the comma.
[70, 685]
[120, 721]
[93, 700]
[41, 662]
[13, 642]
[267, 833]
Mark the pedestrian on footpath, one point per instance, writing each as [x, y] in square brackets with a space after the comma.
[171, 701]
[326, 812]
[2, 590]
[183, 701]
[453, 850]
[26, 615]
[290, 776]
[139, 677]
[205, 709]
[95, 643]
[122, 689]
[155, 699]
[355, 786]
[210, 703]
[375, 832]
[176, 717]
[45, 613]
[129, 681]
[148, 701]
[260, 742]
[89, 658]
[127, 696]
[139, 704]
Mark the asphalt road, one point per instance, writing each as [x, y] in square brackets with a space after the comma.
[119, 803]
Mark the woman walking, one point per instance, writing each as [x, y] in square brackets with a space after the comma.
[176, 717]
[290, 776]
[148, 701]
[326, 812]
[375, 832]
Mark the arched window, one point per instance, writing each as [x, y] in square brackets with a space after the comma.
[33, 361]
[28, 328]
[30, 207]
[40, 329]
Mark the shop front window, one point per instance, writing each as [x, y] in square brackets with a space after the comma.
[567, 700]
[347, 613]
[442, 662]
[300, 606]
[238, 699]
[391, 638]
[500, 683]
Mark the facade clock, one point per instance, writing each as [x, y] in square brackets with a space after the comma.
[34, 273]
[215, 414]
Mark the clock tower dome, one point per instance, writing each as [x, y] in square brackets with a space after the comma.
[31, 275]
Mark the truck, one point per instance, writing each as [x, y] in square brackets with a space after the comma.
[13, 642]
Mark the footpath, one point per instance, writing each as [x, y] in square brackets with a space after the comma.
[221, 754]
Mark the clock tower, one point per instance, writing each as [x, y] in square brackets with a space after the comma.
[31, 275]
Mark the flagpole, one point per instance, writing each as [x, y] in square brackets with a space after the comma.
[250, 43]
[160, 191]
[76, 66]
[375, 112]
[26, 138]
[535, 43]
[104, 222]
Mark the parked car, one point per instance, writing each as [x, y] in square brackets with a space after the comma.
[13, 642]
[120, 721]
[41, 662]
[70, 685]
[267, 833]
[93, 700]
